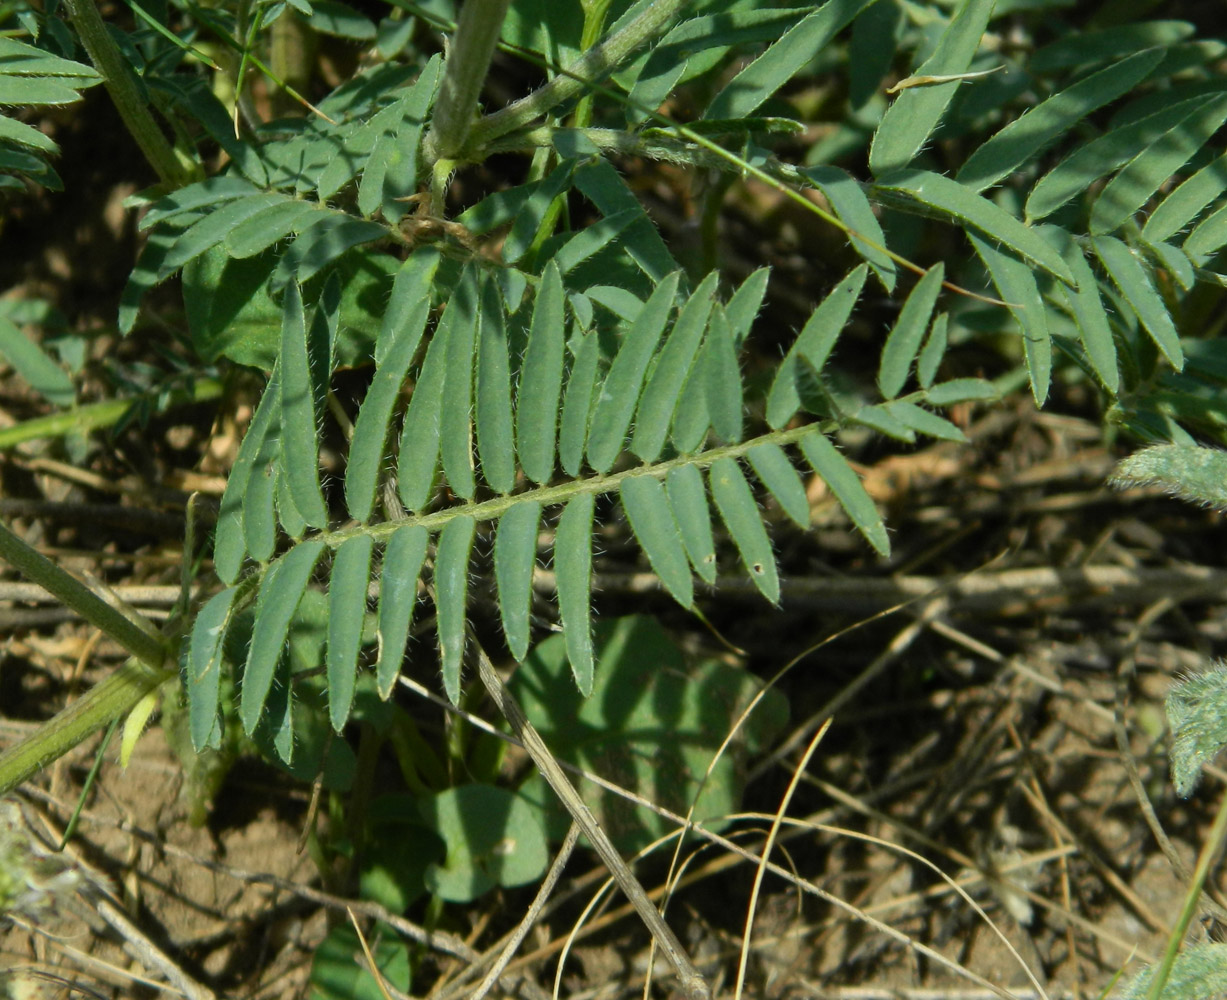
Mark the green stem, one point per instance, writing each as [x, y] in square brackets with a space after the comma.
[1192, 897]
[464, 73]
[591, 67]
[83, 419]
[105, 702]
[34, 566]
[117, 76]
[594, 24]
[560, 493]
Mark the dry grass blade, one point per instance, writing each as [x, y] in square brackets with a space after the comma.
[761, 870]
[371, 965]
[531, 916]
[691, 980]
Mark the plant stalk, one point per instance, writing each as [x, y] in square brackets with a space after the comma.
[464, 73]
[101, 705]
[82, 419]
[106, 701]
[34, 566]
[592, 66]
[691, 980]
[117, 77]
[1210, 850]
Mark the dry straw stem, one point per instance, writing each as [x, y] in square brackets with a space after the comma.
[692, 982]
[761, 870]
[516, 938]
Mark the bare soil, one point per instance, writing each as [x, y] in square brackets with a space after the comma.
[996, 694]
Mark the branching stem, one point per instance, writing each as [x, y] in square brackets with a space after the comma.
[464, 73]
[593, 66]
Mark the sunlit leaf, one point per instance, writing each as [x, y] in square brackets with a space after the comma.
[651, 517]
[1025, 137]
[280, 593]
[573, 574]
[739, 512]
[495, 435]
[541, 380]
[351, 572]
[452, 594]
[774, 470]
[913, 116]
[299, 430]
[846, 485]
[515, 555]
[1136, 288]
[398, 592]
[620, 391]
[903, 342]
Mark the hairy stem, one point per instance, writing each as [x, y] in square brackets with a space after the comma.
[143, 643]
[105, 414]
[464, 73]
[560, 493]
[105, 702]
[592, 66]
[1209, 852]
[117, 76]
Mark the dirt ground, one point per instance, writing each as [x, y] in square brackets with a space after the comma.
[1030, 625]
[996, 695]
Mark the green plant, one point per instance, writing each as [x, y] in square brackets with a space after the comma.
[1196, 709]
[561, 355]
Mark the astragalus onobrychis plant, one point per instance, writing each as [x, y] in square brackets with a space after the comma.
[543, 351]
